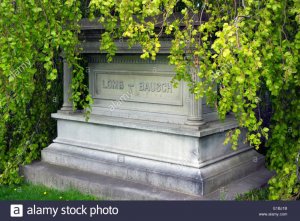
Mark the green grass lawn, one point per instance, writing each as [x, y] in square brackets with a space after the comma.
[28, 191]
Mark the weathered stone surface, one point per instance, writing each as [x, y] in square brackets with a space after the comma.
[118, 189]
[157, 155]
[157, 141]
[130, 87]
[106, 187]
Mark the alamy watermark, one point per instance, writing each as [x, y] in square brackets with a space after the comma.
[124, 97]
[20, 69]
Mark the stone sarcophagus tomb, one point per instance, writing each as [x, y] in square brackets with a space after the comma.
[144, 130]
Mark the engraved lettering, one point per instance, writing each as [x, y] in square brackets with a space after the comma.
[145, 88]
[104, 85]
[109, 84]
[113, 84]
[169, 88]
[121, 85]
[164, 88]
[155, 87]
[158, 87]
[141, 86]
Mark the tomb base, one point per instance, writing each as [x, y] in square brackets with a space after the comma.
[160, 155]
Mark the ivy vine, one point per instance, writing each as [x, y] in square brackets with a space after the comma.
[33, 34]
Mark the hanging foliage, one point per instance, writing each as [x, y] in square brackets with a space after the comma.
[243, 48]
[32, 35]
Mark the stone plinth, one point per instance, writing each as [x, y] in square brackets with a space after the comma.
[164, 155]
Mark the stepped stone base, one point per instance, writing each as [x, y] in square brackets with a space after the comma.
[164, 157]
[110, 188]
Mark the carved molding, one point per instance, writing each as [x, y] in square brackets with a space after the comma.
[92, 47]
[127, 59]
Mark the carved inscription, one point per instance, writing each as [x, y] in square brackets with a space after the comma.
[143, 88]
[155, 87]
[112, 84]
